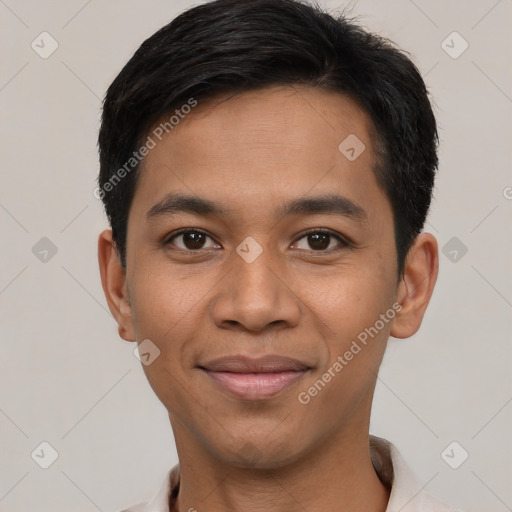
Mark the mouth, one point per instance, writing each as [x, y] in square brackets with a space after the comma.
[255, 379]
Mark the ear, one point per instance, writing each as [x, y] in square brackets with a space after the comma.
[113, 280]
[416, 286]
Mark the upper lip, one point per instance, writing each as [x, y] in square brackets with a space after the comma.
[244, 364]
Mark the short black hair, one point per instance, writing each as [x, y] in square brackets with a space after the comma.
[231, 46]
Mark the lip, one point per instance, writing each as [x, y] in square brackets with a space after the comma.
[255, 379]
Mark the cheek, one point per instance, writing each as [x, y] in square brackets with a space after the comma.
[165, 312]
[163, 302]
[348, 300]
[356, 340]
[356, 306]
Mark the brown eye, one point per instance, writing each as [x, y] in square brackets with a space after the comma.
[320, 241]
[191, 240]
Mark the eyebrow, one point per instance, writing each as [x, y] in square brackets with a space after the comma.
[329, 204]
[332, 204]
[180, 203]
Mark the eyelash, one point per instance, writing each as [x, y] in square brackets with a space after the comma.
[343, 243]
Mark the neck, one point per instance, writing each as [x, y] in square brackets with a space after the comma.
[337, 475]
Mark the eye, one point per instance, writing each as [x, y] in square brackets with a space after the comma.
[191, 240]
[321, 240]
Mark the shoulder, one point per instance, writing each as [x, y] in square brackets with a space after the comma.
[406, 493]
[140, 507]
[429, 503]
[159, 502]
[136, 508]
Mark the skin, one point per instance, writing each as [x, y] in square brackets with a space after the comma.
[252, 153]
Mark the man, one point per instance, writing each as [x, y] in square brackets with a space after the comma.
[267, 170]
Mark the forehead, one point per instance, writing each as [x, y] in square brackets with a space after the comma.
[277, 142]
[288, 117]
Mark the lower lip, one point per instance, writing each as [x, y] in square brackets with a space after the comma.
[255, 386]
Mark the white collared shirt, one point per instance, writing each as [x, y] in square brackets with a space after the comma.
[406, 493]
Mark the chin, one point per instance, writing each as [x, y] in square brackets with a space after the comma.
[264, 454]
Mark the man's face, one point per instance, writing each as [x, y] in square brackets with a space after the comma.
[324, 272]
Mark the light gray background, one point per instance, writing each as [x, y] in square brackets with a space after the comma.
[66, 377]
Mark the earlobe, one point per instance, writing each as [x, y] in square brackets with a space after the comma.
[416, 286]
[113, 280]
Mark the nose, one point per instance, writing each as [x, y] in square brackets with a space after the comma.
[255, 296]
